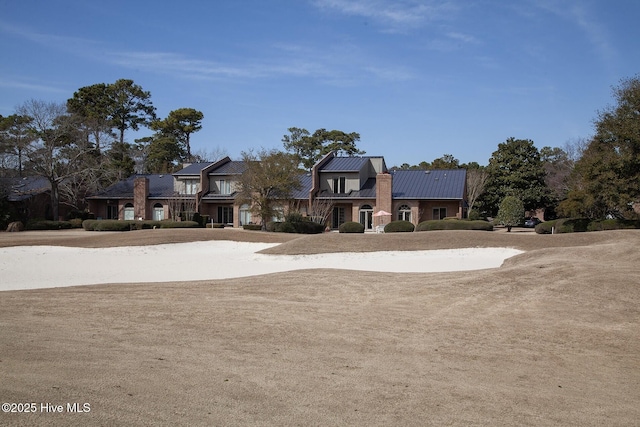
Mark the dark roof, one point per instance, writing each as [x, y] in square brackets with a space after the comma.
[232, 167]
[160, 186]
[433, 184]
[344, 164]
[23, 188]
[305, 187]
[193, 169]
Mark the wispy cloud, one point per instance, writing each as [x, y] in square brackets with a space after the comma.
[396, 16]
[12, 83]
[337, 64]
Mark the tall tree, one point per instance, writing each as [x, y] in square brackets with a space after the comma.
[511, 212]
[180, 124]
[447, 161]
[609, 168]
[515, 169]
[311, 148]
[57, 150]
[476, 183]
[15, 137]
[132, 106]
[269, 180]
[95, 106]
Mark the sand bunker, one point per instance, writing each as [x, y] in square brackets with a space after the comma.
[33, 267]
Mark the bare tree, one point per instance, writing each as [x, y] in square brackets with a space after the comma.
[476, 181]
[320, 210]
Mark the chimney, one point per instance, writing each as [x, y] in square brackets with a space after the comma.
[384, 185]
[140, 194]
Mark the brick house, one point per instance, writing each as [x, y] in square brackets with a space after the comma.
[357, 187]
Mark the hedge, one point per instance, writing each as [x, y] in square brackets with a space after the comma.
[302, 227]
[48, 225]
[351, 227]
[122, 225]
[399, 227]
[579, 225]
[254, 227]
[435, 224]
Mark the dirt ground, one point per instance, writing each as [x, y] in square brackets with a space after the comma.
[549, 339]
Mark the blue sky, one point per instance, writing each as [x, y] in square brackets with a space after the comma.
[416, 78]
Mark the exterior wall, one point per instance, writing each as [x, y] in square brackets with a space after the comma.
[415, 210]
[140, 201]
[352, 181]
[454, 208]
[384, 202]
[214, 183]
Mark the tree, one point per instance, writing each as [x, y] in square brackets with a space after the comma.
[57, 150]
[476, 182]
[163, 154]
[445, 162]
[515, 169]
[609, 169]
[511, 212]
[131, 105]
[95, 106]
[311, 148]
[269, 179]
[180, 124]
[15, 137]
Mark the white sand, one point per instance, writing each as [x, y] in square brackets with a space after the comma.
[33, 267]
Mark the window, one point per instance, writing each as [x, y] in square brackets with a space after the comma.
[128, 212]
[339, 185]
[225, 214]
[224, 186]
[404, 213]
[112, 211]
[439, 213]
[158, 212]
[338, 217]
[245, 215]
[191, 186]
[366, 217]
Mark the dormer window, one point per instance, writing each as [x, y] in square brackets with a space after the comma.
[191, 186]
[339, 185]
[224, 186]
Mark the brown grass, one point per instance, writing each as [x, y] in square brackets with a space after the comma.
[550, 338]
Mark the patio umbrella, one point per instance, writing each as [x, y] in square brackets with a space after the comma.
[382, 213]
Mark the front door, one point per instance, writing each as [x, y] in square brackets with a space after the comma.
[366, 217]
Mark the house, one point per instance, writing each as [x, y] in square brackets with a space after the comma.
[356, 188]
[29, 197]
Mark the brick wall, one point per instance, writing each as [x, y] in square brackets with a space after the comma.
[140, 193]
[384, 184]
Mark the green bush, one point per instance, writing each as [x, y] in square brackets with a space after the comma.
[47, 225]
[351, 227]
[436, 224]
[252, 227]
[121, 225]
[295, 223]
[474, 215]
[215, 225]
[546, 227]
[272, 226]
[613, 224]
[572, 225]
[399, 227]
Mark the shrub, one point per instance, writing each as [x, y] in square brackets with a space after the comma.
[76, 222]
[351, 227]
[109, 225]
[252, 227]
[179, 224]
[546, 227]
[511, 212]
[272, 226]
[399, 227]
[48, 225]
[474, 215]
[613, 224]
[435, 224]
[572, 225]
[309, 227]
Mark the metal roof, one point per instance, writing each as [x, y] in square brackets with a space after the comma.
[344, 164]
[160, 186]
[23, 188]
[433, 184]
[232, 167]
[192, 169]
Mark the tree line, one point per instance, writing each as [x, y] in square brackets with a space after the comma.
[80, 147]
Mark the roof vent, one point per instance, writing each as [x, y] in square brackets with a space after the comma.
[160, 176]
[427, 172]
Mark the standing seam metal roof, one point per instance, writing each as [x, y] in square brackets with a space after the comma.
[434, 184]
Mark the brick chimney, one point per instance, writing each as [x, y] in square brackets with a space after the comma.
[140, 194]
[384, 185]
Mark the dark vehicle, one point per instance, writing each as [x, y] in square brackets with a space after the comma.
[531, 222]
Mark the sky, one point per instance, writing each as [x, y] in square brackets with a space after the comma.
[417, 79]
